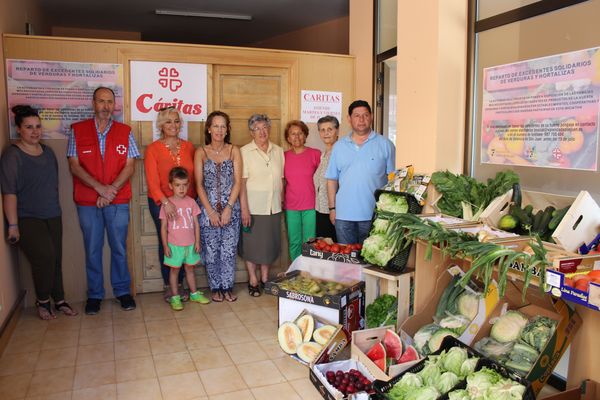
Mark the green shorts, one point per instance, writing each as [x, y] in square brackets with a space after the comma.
[182, 255]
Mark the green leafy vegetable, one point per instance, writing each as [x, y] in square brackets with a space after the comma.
[479, 382]
[460, 394]
[453, 360]
[538, 331]
[508, 327]
[382, 312]
[422, 336]
[446, 382]
[468, 366]
[468, 305]
[392, 203]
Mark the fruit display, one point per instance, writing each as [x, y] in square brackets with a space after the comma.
[312, 286]
[349, 382]
[389, 351]
[295, 338]
[581, 281]
[329, 245]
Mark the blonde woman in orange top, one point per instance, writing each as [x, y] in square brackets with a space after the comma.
[161, 156]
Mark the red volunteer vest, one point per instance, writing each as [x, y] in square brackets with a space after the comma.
[104, 170]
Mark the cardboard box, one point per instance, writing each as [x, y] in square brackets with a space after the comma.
[486, 305]
[362, 341]
[556, 286]
[338, 341]
[580, 225]
[538, 303]
[589, 390]
[318, 379]
[308, 250]
[346, 307]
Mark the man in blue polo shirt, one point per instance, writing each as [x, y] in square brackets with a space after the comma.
[359, 164]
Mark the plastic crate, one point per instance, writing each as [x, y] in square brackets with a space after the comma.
[399, 261]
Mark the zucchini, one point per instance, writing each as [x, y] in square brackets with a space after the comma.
[521, 215]
[529, 210]
[558, 216]
[546, 217]
[516, 196]
[537, 218]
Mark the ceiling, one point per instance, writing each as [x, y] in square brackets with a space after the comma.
[269, 18]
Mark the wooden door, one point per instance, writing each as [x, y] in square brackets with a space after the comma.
[240, 91]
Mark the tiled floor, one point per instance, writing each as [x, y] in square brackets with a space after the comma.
[216, 351]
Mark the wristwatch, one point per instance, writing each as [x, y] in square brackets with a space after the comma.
[331, 208]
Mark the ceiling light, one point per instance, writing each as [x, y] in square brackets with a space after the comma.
[183, 13]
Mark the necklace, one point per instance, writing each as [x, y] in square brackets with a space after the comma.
[217, 152]
[177, 156]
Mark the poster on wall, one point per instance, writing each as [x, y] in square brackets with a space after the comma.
[60, 91]
[316, 104]
[158, 85]
[543, 112]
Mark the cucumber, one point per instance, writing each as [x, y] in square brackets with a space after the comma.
[516, 196]
[521, 215]
[546, 217]
[537, 218]
[529, 210]
[558, 216]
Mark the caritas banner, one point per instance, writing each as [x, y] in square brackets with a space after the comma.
[157, 85]
[317, 104]
[543, 112]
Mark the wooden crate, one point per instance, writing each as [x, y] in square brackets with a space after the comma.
[399, 284]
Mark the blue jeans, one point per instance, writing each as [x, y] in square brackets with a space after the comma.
[114, 219]
[164, 270]
[349, 232]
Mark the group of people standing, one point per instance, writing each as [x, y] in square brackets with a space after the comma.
[237, 189]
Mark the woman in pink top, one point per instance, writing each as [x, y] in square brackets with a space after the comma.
[301, 162]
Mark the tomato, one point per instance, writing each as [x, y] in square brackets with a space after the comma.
[346, 251]
[318, 246]
[358, 246]
[582, 285]
[326, 248]
[335, 248]
[594, 274]
[569, 282]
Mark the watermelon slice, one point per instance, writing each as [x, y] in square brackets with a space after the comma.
[377, 355]
[410, 354]
[393, 344]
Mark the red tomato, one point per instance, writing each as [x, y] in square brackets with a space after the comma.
[358, 246]
[569, 282]
[582, 285]
[327, 248]
[346, 250]
[335, 248]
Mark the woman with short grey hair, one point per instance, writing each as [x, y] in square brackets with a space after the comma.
[261, 201]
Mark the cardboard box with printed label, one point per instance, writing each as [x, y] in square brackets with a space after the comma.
[318, 378]
[538, 303]
[309, 250]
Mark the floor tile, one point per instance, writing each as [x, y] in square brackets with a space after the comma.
[146, 389]
[279, 391]
[253, 316]
[64, 323]
[224, 320]
[239, 395]
[202, 340]
[158, 313]
[68, 395]
[25, 344]
[213, 309]
[95, 353]
[96, 321]
[100, 334]
[132, 348]
[260, 373]
[14, 386]
[15, 364]
[128, 331]
[234, 336]
[305, 389]
[167, 344]
[104, 392]
[173, 363]
[210, 358]
[162, 328]
[57, 358]
[190, 313]
[272, 348]
[60, 339]
[135, 369]
[181, 386]
[243, 353]
[51, 381]
[291, 369]
[263, 331]
[194, 324]
[222, 380]
[91, 375]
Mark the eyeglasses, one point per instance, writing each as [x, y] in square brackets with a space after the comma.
[264, 128]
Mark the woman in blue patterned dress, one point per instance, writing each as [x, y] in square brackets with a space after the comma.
[218, 172]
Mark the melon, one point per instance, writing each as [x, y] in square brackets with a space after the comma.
[289, 337]
[377, 355]
[308, 351]
[392, 344]
[306, 323]
[410, 354]
[323, 334]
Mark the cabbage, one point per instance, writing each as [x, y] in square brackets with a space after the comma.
[505, 389]
[458, 323]
[468, 305]
[508, 327]
[392, 203]
[446, 382]
[493, 349]
[435, 341]
[430, 374]
[460, 394]
[478, 382]
[454, 359]
[410, 379]
[380, 225]
[468, 366]
[422, 337]
[538, 331]
[378, 250]
[423, 393]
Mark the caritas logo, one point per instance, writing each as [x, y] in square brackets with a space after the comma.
[168, 78]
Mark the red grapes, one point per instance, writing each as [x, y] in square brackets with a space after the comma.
[349, 382]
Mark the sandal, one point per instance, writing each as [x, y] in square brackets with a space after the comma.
[217, 296]
[65, 308]
[45, 310]
[254, 291]
[229, 296]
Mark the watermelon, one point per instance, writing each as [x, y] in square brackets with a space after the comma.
[393, 344]
[410, 354]
[377, 355]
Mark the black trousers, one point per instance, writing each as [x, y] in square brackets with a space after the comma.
[324, 226]
[41, 242]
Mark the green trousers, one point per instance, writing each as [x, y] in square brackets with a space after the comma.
[301, 225]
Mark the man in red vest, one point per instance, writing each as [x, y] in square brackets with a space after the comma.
[101, 155]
